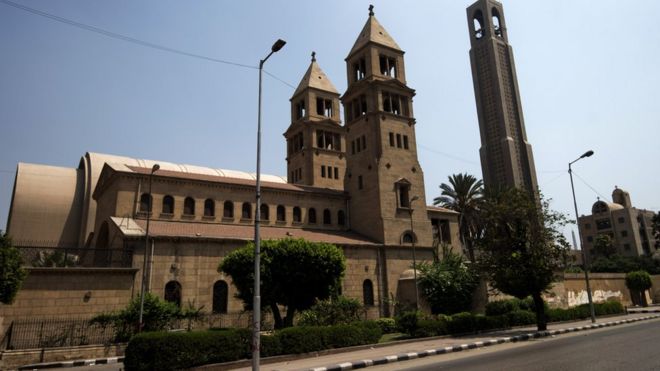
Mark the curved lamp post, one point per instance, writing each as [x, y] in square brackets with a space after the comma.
[256, 302]
[584, 255]
[144, 286]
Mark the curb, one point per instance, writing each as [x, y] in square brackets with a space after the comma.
[479, 344]
[83, 362]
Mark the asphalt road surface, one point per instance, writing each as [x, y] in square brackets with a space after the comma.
[628, 347]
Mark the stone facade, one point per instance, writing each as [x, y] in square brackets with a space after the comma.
[506, 155]
[357, 184]
[630, 228]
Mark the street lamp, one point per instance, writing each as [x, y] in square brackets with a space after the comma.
[256, 302]
[584, 255]
[144, 286]
[412, 239]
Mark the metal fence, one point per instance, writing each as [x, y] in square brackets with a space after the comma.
[52, 332]
[37, 333]
[75, 257]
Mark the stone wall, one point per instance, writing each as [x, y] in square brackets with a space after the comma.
[604, 286]
[70, 292]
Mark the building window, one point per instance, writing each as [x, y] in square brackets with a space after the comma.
[145, 203]
[590, 239]
[398, 141]
[281, 213]
[603, 224]
[359, 69]
[587, 226]
[300, 109]
[228, 209]
[624, 233]
[394, 103]
[328, 140]
[173, 293]
[220, 296]
[353, 147]
[209, 208]
[387, 66]
[391, 139]
[297, 215]
[264, 212]
[626, 247]
[408, 237]
[327, 217]
[336, 173]
[364, 142]
[405, 142]
[324, 107]
[189, 206]
[360, 184]
[368, 293]
[621, 220]
[311, 215]
[341, 217]
[168, 205]
[246, 211]
[403, 193]
[322, 171]
[296, 143]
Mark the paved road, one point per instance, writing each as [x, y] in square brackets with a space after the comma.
[629, 347]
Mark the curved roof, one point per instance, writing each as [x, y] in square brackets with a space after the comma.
[601, 206]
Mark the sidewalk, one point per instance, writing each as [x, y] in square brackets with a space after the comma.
[400, 351]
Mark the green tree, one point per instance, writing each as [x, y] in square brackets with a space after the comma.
[448, 284]
[522, 250]
[638, 282]
[12, 273]
[294, 273]
[463, 194]
[604, 246]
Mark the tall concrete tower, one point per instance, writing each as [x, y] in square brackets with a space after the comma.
[506, 156]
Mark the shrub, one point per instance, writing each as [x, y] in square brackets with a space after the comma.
[177, 350]
[582, 311]
[461, 323]
[306, 339]
[341, 310]
[431, 327]
[638, 281]
[499, 307]
[521, 318]
[406, 322]
[387, 325]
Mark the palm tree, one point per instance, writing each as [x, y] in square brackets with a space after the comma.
[463, 194]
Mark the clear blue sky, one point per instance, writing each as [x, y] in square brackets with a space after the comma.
[588, 75]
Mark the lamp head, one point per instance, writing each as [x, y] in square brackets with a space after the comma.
[278, 45]
[587, 154]
[155, 168]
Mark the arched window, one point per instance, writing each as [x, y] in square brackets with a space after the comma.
[281, 213]
[168, 205]
[246, 211]
[264, 212]
[497, 27]
[173, 293]
[145, 203]
[327, 217]
[368, 293]
[228, 210]
[408, 237]
[220, 296]
[189, 206]
[478, 22]
[209, 207]
[312, 215]
[297, 215]
[341, 217]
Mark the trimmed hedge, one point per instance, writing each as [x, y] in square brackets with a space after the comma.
[177, 350]
[415, 325]
[387, 325]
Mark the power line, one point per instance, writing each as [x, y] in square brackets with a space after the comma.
[447, 155]
[133, 40]
[587, 184]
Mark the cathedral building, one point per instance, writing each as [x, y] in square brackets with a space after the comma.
[353, 180]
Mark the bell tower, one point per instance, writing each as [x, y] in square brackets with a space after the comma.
[383, 178]
[315, 139]
[506, 155]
